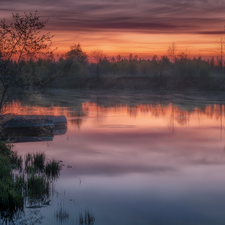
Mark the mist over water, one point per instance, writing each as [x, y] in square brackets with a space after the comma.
[134, 159]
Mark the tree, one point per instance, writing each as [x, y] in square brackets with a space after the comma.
[220, 54]
[77, 54]
[163, 63]
[172, 52]
[20, 41]
[97, 55]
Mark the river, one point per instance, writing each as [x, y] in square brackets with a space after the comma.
[129, 158]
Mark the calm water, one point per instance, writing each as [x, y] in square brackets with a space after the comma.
[136, 159]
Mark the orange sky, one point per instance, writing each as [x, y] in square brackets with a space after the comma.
[144, 27]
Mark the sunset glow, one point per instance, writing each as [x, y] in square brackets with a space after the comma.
[144, 28]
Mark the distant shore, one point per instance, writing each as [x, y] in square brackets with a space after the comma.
[142, 83]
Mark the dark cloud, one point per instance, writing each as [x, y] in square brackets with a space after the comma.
[212, 32]
[174, 16]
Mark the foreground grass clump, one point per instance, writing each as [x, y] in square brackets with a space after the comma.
[15, 160]
[11, 187]
[11, 197]
[37, 186]
[35, 160]
[20, 184]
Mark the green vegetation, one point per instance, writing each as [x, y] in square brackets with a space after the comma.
[37, 186]
[11, 188]
[30, 184]
[177, 72]
[35, 162]
[52, 169]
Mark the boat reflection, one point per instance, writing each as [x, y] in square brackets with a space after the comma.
[32, 128]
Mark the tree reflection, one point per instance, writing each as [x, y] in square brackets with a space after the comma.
[99, 110]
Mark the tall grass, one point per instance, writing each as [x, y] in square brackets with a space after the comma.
[38, 186]
[52, 169]
[11, 189]
[36, 160]
[32, 183]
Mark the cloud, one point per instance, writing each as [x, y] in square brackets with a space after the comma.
[201, 16]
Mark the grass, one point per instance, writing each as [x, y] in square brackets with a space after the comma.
[52, 169]
[11, 189]
[35, 160]
[86, 218]
[39, 160]
[61, 214]
[38, 186]
[16, 161]
[32, 183]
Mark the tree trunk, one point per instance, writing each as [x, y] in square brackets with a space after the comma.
[3, 97]
[97, 71]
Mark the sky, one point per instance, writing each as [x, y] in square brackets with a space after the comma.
[144, 27]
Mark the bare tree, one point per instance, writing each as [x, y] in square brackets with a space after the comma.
[172, 52]
[97, 55]
[220, 54]
[20, 40]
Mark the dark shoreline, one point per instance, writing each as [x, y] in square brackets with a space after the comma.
[216, 84]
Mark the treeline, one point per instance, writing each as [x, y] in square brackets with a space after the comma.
[75, 69]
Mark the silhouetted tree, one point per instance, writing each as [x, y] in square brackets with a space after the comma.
[20, 40]
[97, 55]
[220, 54]
[118, 58]
[77, 54]
[172, 52]
[163, 63]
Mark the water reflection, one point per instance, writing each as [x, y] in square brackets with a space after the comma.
[31, 128]
[146, 163]
[174, 115]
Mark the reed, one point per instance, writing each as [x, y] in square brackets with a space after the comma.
[31, 185]
[38, 186]
[86, 217]
[61, 214]
[52, 169]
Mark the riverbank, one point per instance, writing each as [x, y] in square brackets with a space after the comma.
[211, 83]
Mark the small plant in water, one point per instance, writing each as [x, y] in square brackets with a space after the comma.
[37, 186]
[86, 218]
[61, 214]
[35, 160]
[52, 169]
[39, 160]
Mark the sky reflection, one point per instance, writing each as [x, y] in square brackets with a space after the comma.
[141, 164]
